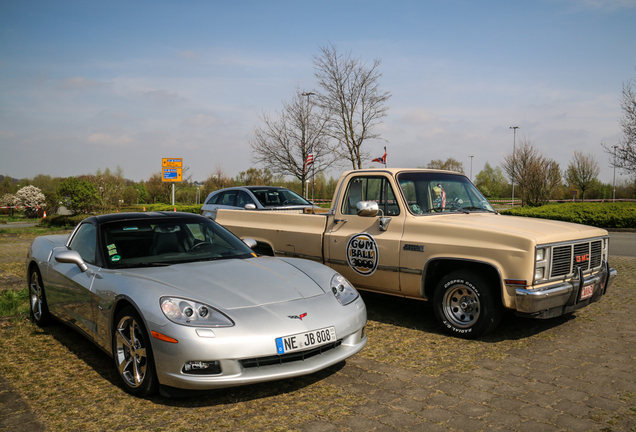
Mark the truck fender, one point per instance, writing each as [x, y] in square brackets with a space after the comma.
[436, 268]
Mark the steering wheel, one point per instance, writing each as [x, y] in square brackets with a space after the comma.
[198, 245]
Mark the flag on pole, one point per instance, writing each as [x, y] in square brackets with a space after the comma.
[382, 159]
[310, 158]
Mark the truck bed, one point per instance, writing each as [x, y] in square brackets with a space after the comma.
[287, 234]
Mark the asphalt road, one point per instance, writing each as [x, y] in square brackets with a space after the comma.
[623, 244]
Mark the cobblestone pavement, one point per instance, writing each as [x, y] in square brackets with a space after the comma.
[579, 376]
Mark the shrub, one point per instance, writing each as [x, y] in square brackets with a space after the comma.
[602, 215]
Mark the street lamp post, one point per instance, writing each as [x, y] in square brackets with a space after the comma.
[471, 167]
[614, 193]
[514, 161]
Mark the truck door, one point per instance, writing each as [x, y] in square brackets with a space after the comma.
[367, 254]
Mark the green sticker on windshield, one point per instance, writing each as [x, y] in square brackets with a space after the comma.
[115, 258]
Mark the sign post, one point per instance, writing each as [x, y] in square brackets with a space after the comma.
[172, 171]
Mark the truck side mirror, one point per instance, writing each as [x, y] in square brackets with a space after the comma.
[250, 243]
[367, 208]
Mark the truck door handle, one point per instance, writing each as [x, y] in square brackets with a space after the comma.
[339, 220]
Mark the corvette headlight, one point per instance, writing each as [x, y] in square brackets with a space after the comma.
[344, 292]
[190, 312]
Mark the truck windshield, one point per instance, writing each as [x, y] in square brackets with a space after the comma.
[439, 192]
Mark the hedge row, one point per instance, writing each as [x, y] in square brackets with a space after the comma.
[71, 221]
[602, 215]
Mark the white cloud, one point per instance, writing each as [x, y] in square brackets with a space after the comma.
[201, 120]
[78, 83]
[189, 54]
[106, 139]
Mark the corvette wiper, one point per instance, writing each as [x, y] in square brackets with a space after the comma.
[147, 264]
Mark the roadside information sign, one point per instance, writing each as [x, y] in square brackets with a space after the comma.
[172, 162]
[172, 169]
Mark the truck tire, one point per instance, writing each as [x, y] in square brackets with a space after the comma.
[466, 305]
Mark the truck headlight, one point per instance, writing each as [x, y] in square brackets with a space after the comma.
[540, 254]
[193, 313]
[344, 292]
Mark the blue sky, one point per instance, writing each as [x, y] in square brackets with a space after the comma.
[86, 85]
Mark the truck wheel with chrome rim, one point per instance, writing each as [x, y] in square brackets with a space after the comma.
[466, 305]
[39, 308]
[133, 354]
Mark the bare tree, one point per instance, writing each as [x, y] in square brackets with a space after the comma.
[450, 164]
[582, 172]
[536, 176]
[351, 95]
[284, 140]
[624, 155]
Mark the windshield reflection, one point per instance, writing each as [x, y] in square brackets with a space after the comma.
[428, 193]
[143, 243]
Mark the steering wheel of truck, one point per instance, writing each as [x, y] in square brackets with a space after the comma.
[466, 305]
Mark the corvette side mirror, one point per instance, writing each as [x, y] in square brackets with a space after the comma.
[71, 257]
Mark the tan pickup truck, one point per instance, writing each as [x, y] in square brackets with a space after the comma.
[431, 235]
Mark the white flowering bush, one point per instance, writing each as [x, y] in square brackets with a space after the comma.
[32, 198]
[9, 200]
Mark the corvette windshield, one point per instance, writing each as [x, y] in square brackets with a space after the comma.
[428, 193]
[149, 242]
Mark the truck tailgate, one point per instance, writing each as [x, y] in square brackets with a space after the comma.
[289, 234]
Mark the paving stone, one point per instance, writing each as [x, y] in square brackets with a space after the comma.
[319, 426]
[450, 388]
[471, 409]
[361, 423]
[436, 415]
[477, 396]
[383, 396]
[399, 419]
[503, 419]
[604, 403]
[505, 404]
[418, 393]
[372, 409]
[508, 390]
[567, 421]
[534, 412]
[407, 404]
[535, 426]
[540, 399]
[443, 400]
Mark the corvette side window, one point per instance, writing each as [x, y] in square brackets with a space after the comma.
[84, 242]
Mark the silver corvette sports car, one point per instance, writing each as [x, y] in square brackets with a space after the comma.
[181, 303]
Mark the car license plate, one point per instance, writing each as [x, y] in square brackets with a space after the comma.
[302, 341]
[587, 292]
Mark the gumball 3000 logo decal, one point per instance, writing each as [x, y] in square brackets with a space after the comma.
[362, 254]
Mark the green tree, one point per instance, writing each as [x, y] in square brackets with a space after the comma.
[537, 177]
[582, 172]
[78, 195]
[254, 177]
[450, 164]
[491, 182]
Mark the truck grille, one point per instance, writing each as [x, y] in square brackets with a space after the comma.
[566, 258]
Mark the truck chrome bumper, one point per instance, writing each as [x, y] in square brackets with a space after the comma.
[565, 297]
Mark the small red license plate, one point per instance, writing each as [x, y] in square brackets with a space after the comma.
[587, 292]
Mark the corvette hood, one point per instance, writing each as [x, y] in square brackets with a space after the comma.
[232, 283]
[542, 230]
